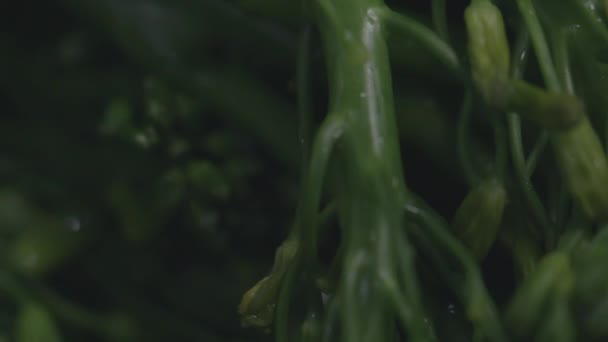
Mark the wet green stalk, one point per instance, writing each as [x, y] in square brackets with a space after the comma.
[369, 196]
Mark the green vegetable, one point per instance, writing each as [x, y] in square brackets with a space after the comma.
[156, 156]
[35, 324]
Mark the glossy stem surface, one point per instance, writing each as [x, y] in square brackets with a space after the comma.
[372, 190]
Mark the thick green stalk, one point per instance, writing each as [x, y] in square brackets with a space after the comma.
[372, 188]
[360, 82]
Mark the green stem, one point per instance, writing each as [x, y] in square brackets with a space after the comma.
[411, 28]
[480, 308]
[372, 185]
[562, 59]
[440, 21]
[329, 133]
[282, 309]
[539, 42]
[531, 198]
[259, 110]
[397, 253]
[536, 152]
[308, 218]
[303, 81]
[533, 202]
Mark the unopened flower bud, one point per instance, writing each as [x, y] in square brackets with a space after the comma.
[584, 167]
[477, 220]
[488, 50]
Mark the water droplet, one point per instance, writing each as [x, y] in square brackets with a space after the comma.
[325, 297]
[372, 15]
[73, 223]
[146, 137]
[451, 309]
[523, 55]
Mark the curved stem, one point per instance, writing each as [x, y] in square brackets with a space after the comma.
[521, 172]
[330, 131]
[308, 218]
[559, 41]
[440, 20]
[282, 309]
[539, 147]
[539, 42]
[411, 28]
[419, 328]
[304, 93]
[352, 315]
[480, 308]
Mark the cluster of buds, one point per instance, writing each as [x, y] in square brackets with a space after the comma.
[577, 147]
